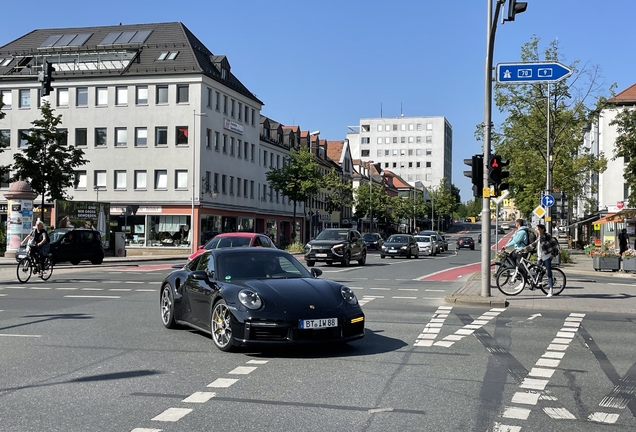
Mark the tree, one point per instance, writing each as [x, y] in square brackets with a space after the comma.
[339, 193]
[522, 138]
[625, 147]
[378, 205]
[4, 142]
[298, 179]
[47, 160]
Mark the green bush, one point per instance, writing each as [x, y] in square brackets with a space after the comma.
[295, 248]
[566, 257]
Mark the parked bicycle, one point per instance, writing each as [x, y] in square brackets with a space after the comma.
[512, 280]
[29, 265]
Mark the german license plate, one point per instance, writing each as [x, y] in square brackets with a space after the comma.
[319, 323]
[321, 255]
[392, 251]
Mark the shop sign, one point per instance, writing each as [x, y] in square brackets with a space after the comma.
[233, 126]
[140, 210]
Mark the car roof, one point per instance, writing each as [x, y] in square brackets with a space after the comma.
[239, 234]
[232, 251]
[466, 237]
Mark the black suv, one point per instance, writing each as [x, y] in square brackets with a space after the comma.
[336, 245]
[75, 245]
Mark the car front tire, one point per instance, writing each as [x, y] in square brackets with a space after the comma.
[166, 307]
[310, 263]
[346, 260]
[363, 260]
[221, 327]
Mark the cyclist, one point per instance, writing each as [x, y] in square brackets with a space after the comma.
[519, 241]
[547, 247]
[40, 239]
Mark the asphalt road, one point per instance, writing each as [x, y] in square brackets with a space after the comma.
[86, 351]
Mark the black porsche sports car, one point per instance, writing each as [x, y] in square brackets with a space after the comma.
[247, 297]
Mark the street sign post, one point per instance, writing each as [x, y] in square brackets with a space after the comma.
[539, 212]
[501, 197]
[520, 73]
[547, 200]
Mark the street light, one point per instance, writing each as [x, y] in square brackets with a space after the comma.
[193, 245]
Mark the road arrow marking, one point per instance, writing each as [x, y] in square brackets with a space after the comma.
[533, 316]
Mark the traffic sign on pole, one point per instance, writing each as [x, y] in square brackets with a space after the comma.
[522, 73]
[547, 200]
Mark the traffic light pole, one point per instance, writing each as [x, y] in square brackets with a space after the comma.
[548, 169]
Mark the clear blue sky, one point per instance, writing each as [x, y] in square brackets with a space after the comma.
[325, 64]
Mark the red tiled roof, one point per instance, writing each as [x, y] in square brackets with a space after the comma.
[627, 95]
[334, 150]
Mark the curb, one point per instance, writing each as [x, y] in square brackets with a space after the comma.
[475, 300]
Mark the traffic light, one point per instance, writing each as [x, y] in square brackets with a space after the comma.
[515, 7]
[45, 77]
[476, 174]
[496, 175]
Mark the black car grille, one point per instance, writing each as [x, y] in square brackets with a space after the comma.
[266, 331]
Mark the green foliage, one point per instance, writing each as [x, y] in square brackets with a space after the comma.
[339, 192]
[522, 138]
[446, 200]
[47, 161]
[625, 147]
[295, 248]
[373, 198]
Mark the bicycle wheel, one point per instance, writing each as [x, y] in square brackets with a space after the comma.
[24, 270]
[48, 268]
[510, 283]
[558, 282]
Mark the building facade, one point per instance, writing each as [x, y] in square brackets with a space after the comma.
[173, 138]
[415, 148]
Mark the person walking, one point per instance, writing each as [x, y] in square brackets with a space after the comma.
[547, 247]
[623, 241]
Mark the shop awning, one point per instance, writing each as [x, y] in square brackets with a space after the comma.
[608, 218]
[624, 214]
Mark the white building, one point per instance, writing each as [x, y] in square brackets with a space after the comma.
[415, 148]
[166, 126]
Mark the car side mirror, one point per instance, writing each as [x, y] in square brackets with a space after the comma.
[200, 247]
[315, 272]
[199, 275]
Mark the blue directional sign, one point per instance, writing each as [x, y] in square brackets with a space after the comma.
[547, 200]
[522, 73]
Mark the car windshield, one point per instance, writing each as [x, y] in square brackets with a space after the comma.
[228, 242]
[422, 239]
[466, 238]
[259, 265]
[370, 236]
[57, 234]
[398, 239]
[332, 235]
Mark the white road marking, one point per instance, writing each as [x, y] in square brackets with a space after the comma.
[406, 298]
[516, 413]
[534, 384]
[528, 398]
[260, 362]
[92, 297]
[199, 397]
[408, 289]
[434, 290]
[145, 290]
[2, 295]
[242, 370]
[120, 289]
[222, 382]
[381, 289]
[66, 289]
[172, 414]
[621, 284]
[40, 288]
[432, 329]
[541, 372]
[601, 417]
[559, 413]
[505, 428]
[134, 282]
[533, 316]
[19, 335]
[145, 430]
[92, 289]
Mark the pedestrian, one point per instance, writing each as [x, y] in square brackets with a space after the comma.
[547, 247]
[623, 241]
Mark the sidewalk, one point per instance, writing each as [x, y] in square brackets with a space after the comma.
[11, 262]
[582, 293]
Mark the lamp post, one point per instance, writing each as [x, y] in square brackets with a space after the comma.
[194, 151]
[370, 202]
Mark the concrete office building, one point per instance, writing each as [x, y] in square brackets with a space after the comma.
[415, 148]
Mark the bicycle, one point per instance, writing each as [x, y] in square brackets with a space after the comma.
[28, 265]
[506, 261]
[511, 281]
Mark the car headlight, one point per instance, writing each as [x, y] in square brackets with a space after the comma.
[383, 247]
[339, 245]
[404, 247]
[250, 299]
[307, 247]
[348, 295]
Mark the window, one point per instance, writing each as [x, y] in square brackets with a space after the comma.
[402, 140]
[62, 97]
[429, 126]
[386, 164]
[140, 179]
[208, 136]
[162, 94]
[216, 101]
[217, 137]
[238, 186]
[252, 114]
[429, 152]
[232, 105]
[208, 179]
[387, 140]
[231, 185]
[216, 183]
[380, 141]
[394, 164]
[418, 139]
[121, 96]
[182, 135]
[245, 147]
[252, 189]
[418, 152]
[161, 179]
[161, 136]
[410, 139]
[183, 93]
[239, 144]
[387, 152]
[5, 138]
[100, 179]
[120, 179]
[418, 127]
[80, 180]
[379, 128]
[264, 158]
[81, 137]
[395, 140]
[247, 111]
[364, 153]
[365, 140]
[224, 104]
[181, 179]
[23, 134]
[6, 99]
[240, 111]
[101, 96]
[25, 98]
[245, 188]
[252, 157]
[410, 152]
[387, 127]
[264, 193]
[141, 95]
[395, 152]
[410, 164]
[121, 137]
[100, 137]
[231, 146]
[402, 165]
[223, 184]
[403, 126]
[395, 127]
[410, 126]
[224, 143]
[81, 96]
[141, 137]
[429, 139]
[403, 152]
[428, 164]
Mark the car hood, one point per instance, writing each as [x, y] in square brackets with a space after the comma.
[387, 244]
[424, 243]
[327, 242]
[298, 294]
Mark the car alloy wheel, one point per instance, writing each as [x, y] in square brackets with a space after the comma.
[167, 308]
[346, 260]
[221, 327]
[363, 260]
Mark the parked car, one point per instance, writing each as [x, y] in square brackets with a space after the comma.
[336, 245]
[435, 238]
[505, 225]
[256, 297]
[444, 242]
[373, 240]
[75, 245]
[400, 245]
[233, 240]
[425, 245]
[466, 242]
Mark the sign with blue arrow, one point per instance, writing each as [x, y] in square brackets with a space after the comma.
[524, 73]
[547, 200]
